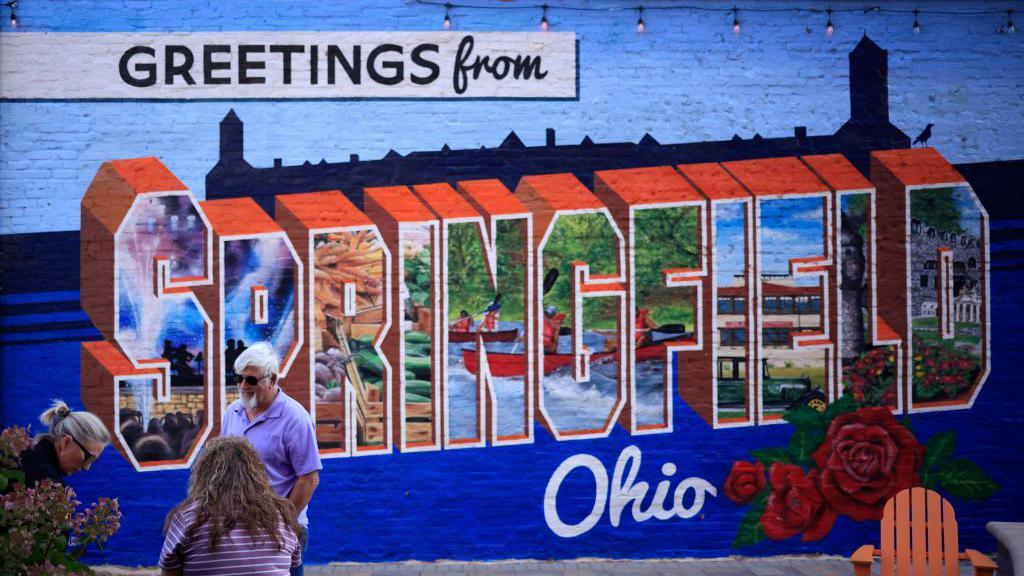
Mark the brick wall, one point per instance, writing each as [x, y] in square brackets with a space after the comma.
[687, 79]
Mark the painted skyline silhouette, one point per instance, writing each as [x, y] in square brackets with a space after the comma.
[867, 129]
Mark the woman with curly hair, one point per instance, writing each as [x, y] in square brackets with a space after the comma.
[231, 520]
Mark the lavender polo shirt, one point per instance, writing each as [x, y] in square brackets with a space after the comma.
[284, 438]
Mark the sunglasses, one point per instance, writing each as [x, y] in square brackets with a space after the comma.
[250, 380]
[89, 456]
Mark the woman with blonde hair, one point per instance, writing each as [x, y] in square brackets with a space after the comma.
[231, 520]
[74, 442]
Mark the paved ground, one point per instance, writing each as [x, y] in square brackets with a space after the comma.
[774, 566]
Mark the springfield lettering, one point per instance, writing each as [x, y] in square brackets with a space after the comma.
[402, 329]
[290, 65]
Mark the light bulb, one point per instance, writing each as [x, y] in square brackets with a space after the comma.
[544, 19]
[447, 17]
[829, 28]
[735, 21]
[640, 20]
[917, 25]
[1009, 22]
[14, 20]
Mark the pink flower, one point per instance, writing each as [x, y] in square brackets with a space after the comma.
[13, 441]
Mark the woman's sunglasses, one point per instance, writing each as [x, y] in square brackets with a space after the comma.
[250, 380]
[89, 456]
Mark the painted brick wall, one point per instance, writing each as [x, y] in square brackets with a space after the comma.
[688, 78]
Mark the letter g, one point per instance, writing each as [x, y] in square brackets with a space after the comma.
[149, 68]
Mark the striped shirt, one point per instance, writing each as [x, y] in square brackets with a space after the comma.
[240, 551]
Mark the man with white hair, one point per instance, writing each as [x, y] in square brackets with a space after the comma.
[278, 427]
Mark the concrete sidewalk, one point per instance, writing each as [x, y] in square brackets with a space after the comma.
[732, 566]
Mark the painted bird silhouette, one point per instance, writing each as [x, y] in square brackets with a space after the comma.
[924, 135]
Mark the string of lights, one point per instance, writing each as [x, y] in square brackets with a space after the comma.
[12, 4]
[829, 11]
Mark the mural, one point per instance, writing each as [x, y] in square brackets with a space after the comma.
[162, 229]
[869, 373]
[847, 461]
[733, 292]
[666, 241]
[534, 350]
[945, 257]
[260, 300]
[345, 335]
[416, 294]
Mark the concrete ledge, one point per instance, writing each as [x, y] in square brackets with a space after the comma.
[1010, 537]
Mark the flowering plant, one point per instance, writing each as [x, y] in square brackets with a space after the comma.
[40, 530]
[941, 372]
[871, 379]
[847, 461]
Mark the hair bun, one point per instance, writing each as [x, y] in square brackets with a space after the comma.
[63, 411]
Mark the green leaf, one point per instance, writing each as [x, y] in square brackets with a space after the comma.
[750, 531]
[769, 456]
[804, 416]
[3, 482]
[965, 479]
[60, 558]
[803, 443]
[939, 449]
[13, 475]
[906, 423]
[928, 478]
[841, 406]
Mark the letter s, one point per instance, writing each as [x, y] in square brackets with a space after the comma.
[145, 249]
[419, 60]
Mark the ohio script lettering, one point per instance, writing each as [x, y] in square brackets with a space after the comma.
[686, 501]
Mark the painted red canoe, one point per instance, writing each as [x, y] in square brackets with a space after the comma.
[504, 364]
[496, 336]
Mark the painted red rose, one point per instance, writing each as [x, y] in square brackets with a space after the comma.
[745, 481]
[796, 505]
[865, 459]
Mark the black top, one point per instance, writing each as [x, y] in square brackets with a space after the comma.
[40, 462]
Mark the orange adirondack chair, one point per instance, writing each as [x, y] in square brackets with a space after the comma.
[919, 533]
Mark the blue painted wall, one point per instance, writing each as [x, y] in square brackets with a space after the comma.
[688, 78]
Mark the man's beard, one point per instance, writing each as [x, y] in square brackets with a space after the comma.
[249, 400]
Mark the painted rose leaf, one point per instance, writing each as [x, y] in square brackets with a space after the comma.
[847, 461]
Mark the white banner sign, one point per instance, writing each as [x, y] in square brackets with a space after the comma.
[282, 65]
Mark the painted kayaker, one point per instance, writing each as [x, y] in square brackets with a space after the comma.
[644, 325]
[490, 320]
[464, 323]
[552, 324]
